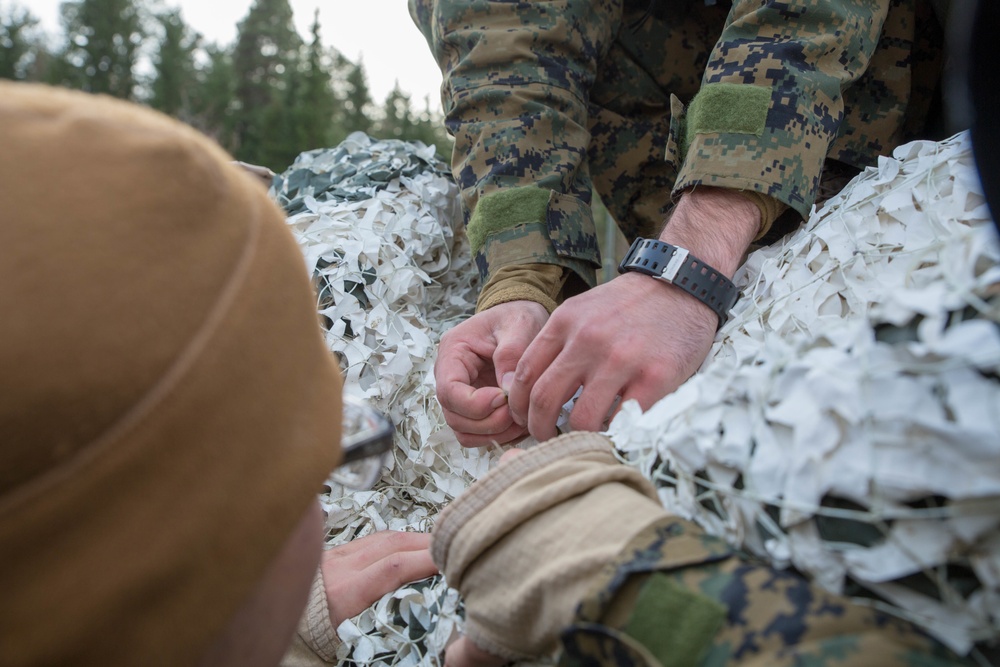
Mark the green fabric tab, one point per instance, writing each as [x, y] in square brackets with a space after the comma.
[506, 209]
[675, 624]
[727, 108]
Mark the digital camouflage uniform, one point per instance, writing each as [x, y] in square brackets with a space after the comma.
[570, 95]
[724, 609]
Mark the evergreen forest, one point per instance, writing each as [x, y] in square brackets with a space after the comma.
[265, 98]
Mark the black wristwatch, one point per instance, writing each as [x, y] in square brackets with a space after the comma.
[677, 266]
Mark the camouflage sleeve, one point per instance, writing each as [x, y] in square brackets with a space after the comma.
[771, 100]
[516, 81]
[653, 608]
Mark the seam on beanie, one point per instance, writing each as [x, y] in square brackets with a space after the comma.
[181, 364]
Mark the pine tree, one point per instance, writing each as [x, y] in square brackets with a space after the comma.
[103, 38]
[400, 121]
[266, 56]
[397, 121]
[214, 107]
[357, 102]
[174, 66]
[317, 106]
[282, 140]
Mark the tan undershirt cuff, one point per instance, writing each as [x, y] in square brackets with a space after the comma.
[554, 517]
[315, 641]
[769, 207]
[541, 283]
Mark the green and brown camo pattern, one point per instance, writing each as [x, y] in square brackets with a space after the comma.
[576, 96]
[774, 618]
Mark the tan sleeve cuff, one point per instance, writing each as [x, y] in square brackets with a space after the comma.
[316, 641]
[769, 207]
[541, 283]
[554, 517]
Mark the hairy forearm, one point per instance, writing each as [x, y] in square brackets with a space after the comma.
[716, 225]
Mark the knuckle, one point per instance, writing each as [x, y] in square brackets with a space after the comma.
[543, 401]
[583, 419]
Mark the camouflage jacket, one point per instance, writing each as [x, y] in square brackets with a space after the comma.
[572, 96]
[695, 603]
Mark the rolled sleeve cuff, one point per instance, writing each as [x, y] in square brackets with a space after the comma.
[745, 151]
[316, 641]
[530, 225]
[540, 283]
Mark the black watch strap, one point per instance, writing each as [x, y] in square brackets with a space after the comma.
[677, 266]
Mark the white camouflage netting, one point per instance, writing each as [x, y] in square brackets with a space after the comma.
[846, 422]
[409, 277]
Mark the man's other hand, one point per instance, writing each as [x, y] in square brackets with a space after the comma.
[476, 359]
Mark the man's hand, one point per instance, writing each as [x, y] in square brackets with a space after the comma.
[359, 573]
[633, 337]
[473, 361]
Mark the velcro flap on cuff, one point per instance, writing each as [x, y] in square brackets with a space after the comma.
[534, 225]
[506, 209]
[728, 108]
[674, 624]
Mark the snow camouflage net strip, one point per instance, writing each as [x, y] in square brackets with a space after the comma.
[846, 421]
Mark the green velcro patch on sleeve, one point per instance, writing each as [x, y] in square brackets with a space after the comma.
[730, 108]
[674, 624]
[505, 209]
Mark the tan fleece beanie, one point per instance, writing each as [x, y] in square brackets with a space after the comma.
[167, 406]
[525, 544]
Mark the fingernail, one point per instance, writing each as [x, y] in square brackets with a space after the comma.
[498, 401]
[506, 381]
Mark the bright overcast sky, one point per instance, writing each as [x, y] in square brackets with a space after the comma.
[380, 32]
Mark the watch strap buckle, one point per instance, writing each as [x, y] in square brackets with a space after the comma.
[677, 266]
[674, 264]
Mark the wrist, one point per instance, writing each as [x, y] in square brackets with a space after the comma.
[714, 224]
[680, 269]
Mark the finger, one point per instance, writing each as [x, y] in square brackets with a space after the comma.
[458, 396]
[560, 381]
[593, 406]
[463, 653]
[511, 345]
[371, 548]
[535, 360]
[464, 376]
[513, 433]
[395, 570]
[349, 592]
[651, 384]
[496, 422]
